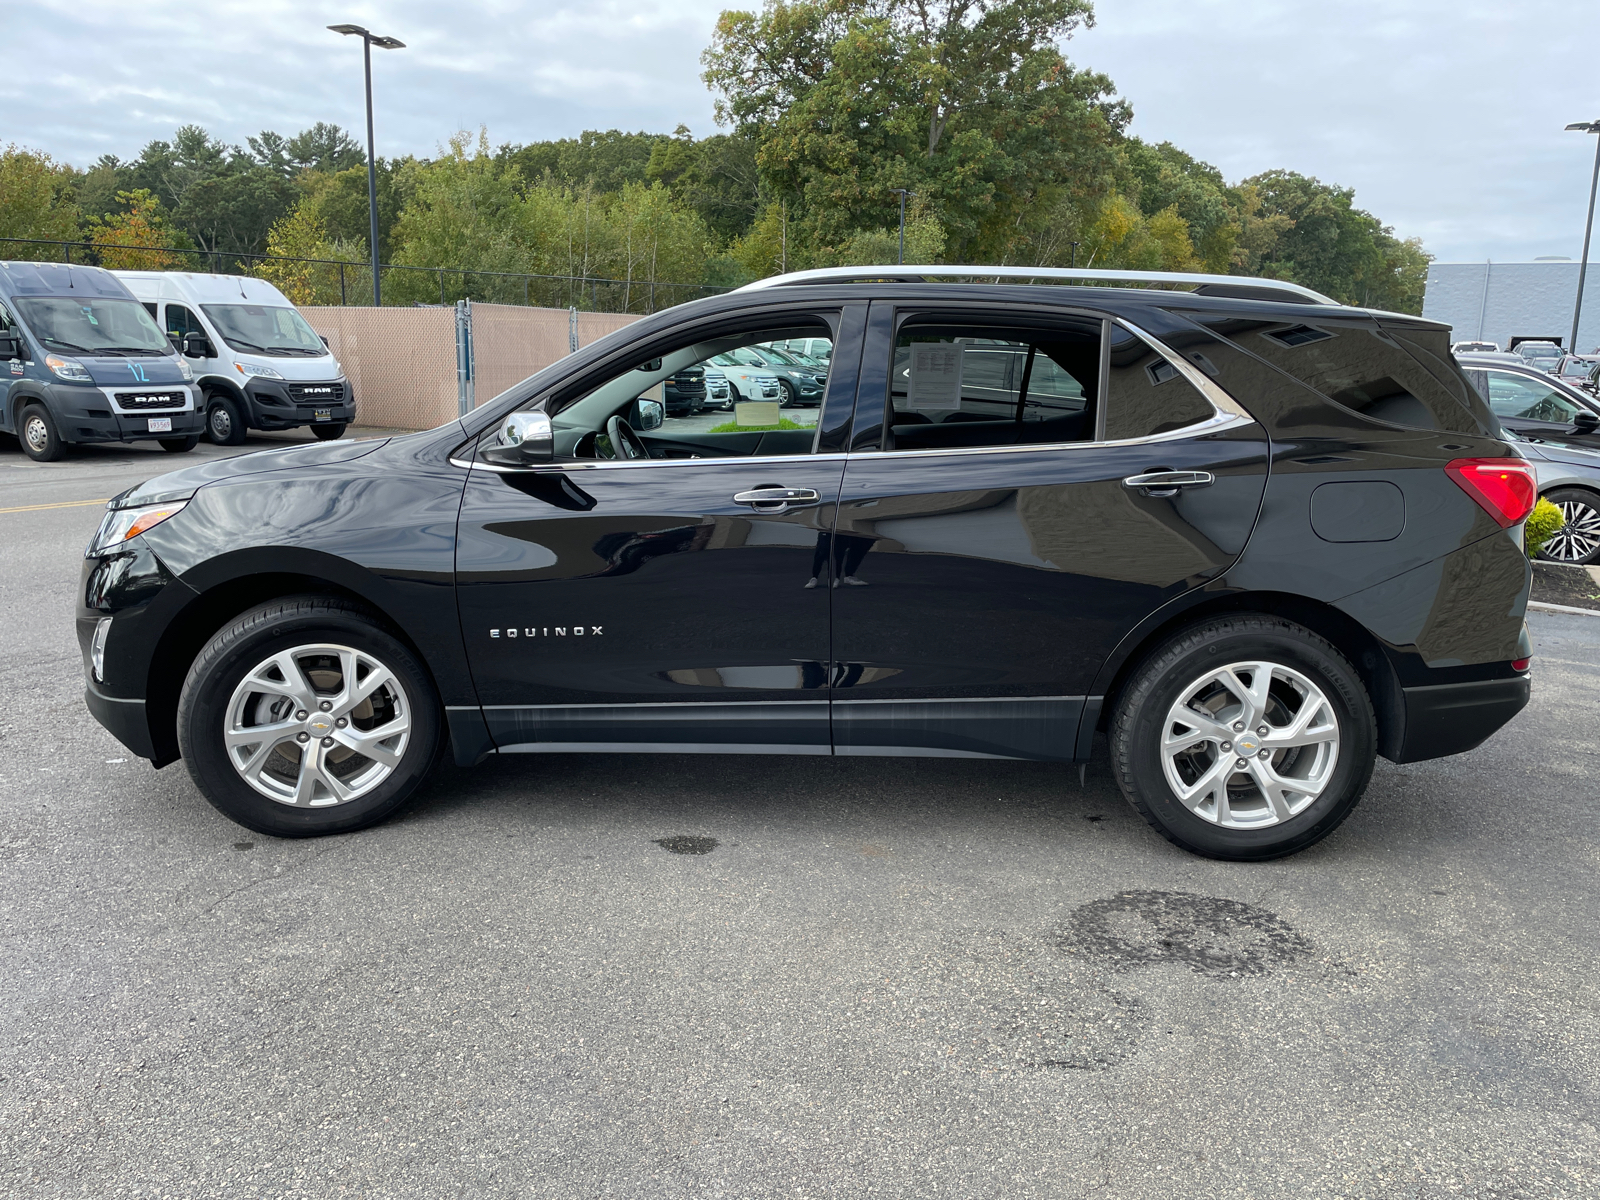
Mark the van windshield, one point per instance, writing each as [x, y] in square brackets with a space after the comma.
[102, 326]
[260, 329]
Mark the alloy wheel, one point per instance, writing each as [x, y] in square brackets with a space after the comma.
[1250, 744]
[318, 725]
[1578, 539]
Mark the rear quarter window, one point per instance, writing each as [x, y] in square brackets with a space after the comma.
[1398, 377]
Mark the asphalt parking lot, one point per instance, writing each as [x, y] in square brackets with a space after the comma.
[885, 977]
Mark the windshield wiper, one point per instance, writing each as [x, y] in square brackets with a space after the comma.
[241, 344]
[69, 345]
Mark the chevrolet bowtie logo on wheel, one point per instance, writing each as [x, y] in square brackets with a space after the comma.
[548, 631]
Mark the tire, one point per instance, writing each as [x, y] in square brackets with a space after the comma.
[181, 445]
[36, 430]
[327, 433]
[1317, 782]
[225, 425]
[1578, 541]
[791, 395]
[239, 681]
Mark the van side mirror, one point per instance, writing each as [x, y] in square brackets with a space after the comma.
[1585, 422]
[523, 439]
[647, 414]
[325, 342]
[10, 346]
[197, 345]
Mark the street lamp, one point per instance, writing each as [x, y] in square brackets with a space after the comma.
[902, 193]
[368, 41]
[1588, 226]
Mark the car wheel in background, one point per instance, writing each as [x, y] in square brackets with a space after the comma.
[791, 395]
[304, 717]
[180, 445]
[1578, 541]
[37, 433]
[224, 424]
[327, 433]
[1244, 738]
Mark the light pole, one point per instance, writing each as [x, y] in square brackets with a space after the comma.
[1588, 227]
[368, 41]
[902, 193]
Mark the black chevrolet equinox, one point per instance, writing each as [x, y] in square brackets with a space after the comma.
[1253, 537]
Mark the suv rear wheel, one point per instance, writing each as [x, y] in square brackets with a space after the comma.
[305, 717]
[1244, 738]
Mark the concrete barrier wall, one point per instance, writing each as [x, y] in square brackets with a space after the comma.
[402, 361]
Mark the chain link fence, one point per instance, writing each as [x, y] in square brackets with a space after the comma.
[328, 282]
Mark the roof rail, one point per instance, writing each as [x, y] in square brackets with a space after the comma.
[1238, 286]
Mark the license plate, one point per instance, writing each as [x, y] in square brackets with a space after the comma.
[324, 414]
[160, 424]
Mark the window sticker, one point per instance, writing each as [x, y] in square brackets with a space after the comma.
[89, 312]
[935, 377]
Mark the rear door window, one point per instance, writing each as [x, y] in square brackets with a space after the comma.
[1147, 395]
[970, 384]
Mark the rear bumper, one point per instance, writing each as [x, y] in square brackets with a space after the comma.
[1450, 718]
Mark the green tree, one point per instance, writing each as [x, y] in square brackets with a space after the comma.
[606, 160]
[138, 238]
[36, 201]
[969, 103]
[1336, 248]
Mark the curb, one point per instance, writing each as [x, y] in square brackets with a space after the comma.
[1570, 610]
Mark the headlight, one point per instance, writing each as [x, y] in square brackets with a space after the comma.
[185, 369]
[252, 369]
[123, 523]
[68, 368]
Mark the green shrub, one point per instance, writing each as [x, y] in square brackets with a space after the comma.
[1542, 524]
[735, 427]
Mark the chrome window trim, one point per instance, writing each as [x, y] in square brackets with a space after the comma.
[1227, 413]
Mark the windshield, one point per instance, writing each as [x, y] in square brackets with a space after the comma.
[1576, 367]
[738, 358]
[102, 326]
[1539, 350]
[281, 332]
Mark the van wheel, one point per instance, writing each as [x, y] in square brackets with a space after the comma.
[224, 424]
[327, 433]
[39, 438]
[180, 445]
[1244, 738]
[305, 717]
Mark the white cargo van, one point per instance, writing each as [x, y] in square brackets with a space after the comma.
[257, 363]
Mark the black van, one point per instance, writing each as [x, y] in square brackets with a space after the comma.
[81, 361]
[1253, 537]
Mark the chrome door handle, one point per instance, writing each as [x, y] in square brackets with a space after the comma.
[1166, 483]
[776, 499]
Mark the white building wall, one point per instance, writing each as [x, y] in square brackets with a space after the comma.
[1498, 301]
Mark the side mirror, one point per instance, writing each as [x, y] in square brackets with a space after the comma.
[1585, 422]
[524, 438]
[647, 414]
[326, 343]
[653, 365]
[196, 345]
[10, 347]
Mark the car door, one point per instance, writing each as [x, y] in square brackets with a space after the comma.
[1536, 407]
[1025, 486]
[663, 603]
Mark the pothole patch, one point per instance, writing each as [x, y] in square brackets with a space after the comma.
[1211, 936]
[684, 843]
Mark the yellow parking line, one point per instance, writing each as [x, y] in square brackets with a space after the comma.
[63, 504]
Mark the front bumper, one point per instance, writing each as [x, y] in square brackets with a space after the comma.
[273, 405]
[1450, 718]
[84, 414]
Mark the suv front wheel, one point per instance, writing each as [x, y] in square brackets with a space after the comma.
[1244, 738]
[305, 717]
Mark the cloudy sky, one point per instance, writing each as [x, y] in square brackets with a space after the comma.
[1445, 115]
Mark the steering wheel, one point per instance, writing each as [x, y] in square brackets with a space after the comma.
[625, 443]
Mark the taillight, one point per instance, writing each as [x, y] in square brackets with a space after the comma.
[1520, 664]
[1505, 487]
